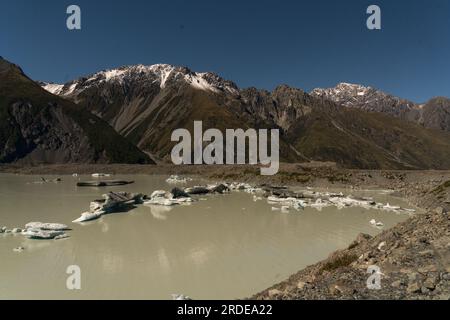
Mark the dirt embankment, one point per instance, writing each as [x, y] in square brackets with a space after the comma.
[413, 257]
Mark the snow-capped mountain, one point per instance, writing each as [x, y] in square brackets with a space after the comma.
[141, 102]
[158, 75]
[365, 98]
[433, 114]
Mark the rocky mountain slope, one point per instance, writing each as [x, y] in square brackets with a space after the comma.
[38, 127]
[433, 114]
[146, 103]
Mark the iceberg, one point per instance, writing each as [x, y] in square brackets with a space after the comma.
[46, 226]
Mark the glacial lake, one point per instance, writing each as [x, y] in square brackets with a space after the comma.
[221, 247]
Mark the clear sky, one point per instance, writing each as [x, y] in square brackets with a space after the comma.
[261, 43]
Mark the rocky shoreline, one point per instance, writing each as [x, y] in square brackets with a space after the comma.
[413, 257]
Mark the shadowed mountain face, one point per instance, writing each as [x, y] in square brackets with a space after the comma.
[436, 114]
[146, 103]
[38, 127]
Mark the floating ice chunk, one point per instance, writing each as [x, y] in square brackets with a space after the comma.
[376, 223]
[218, 188]
[158, 194]
[174, 179]
[62, 236]
[299, 204]
[393, 208]
[98, 175]
[320, 204]
[256, 198]
[240, 186]
[88, 216]
[163, 198]
[46, 226]
[180, 297]
[285, 209]
[41, 234]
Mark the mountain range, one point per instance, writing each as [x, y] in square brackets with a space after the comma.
[352, 125]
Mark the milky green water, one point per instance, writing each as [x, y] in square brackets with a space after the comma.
[225, 247]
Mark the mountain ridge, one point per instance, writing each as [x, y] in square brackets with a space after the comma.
[146, 103]
[434, 114]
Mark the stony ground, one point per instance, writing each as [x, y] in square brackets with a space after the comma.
[413, 257]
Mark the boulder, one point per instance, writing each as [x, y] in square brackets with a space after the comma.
[301, 285]
[274, 293]
[413, 287]
[363, 237]
[381, 246]
[430, 283]
[397, 284]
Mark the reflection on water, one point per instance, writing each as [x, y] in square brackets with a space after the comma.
[227, 246]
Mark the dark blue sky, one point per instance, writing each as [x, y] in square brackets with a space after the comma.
[261, 43]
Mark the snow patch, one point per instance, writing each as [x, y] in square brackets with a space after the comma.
[53, 88]
[71, 88]
[197, 81]
[113, 74]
